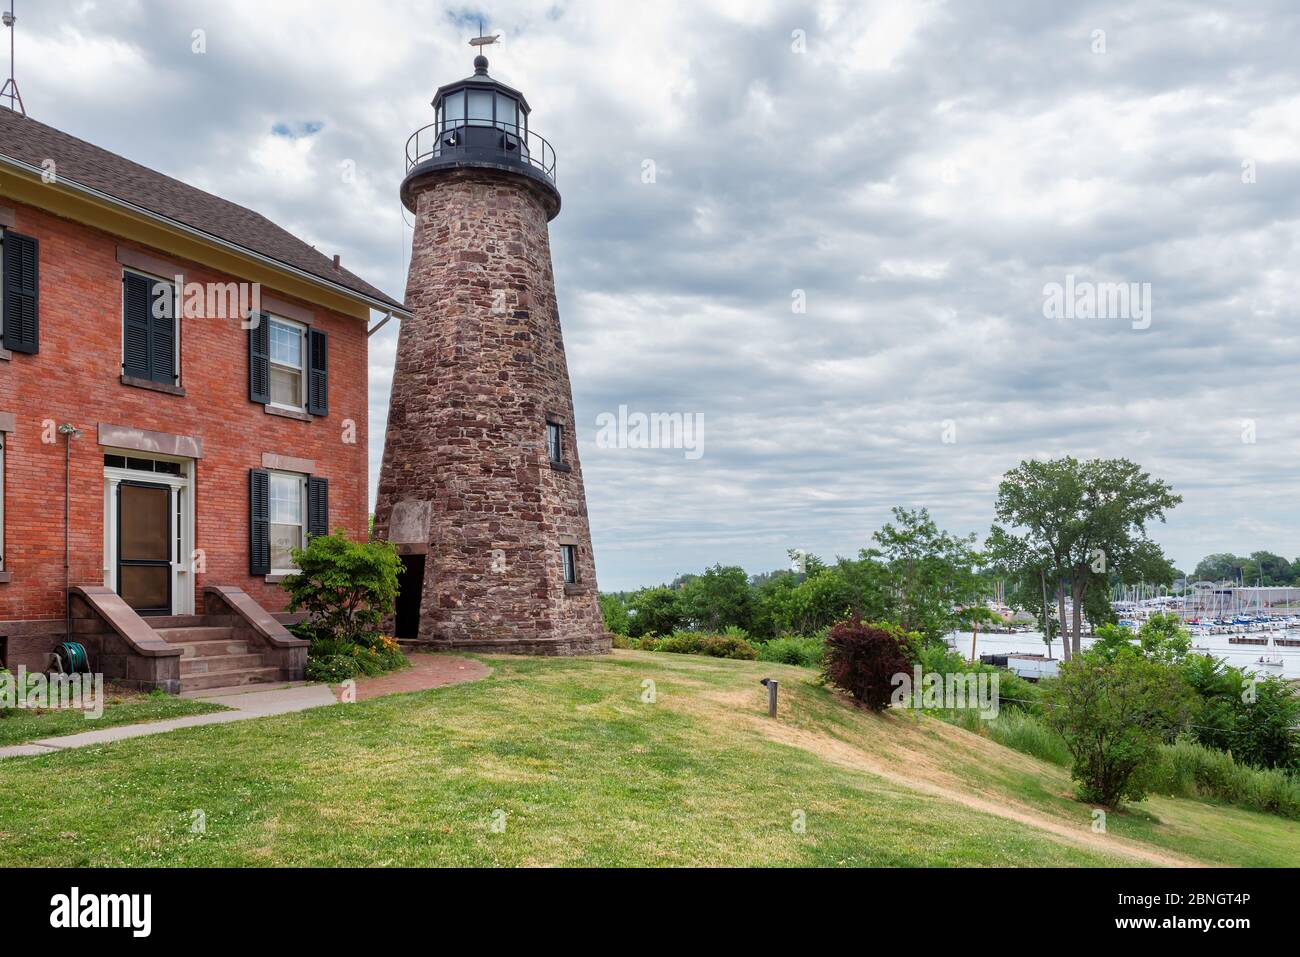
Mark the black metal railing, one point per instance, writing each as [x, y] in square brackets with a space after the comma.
[502, 142]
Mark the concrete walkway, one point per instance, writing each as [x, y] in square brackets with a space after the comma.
[427, 671]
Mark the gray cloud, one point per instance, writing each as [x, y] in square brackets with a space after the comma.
[920, 173]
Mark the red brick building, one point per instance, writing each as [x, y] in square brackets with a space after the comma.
[207, 443]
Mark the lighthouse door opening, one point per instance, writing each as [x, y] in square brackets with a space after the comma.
[410, 591]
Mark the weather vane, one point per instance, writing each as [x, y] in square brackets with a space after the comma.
[482, 41]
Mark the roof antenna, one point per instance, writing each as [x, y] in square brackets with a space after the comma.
[10, 90]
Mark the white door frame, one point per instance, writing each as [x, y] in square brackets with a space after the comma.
[182, 514]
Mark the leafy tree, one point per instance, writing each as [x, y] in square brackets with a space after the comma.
[930, 572]
[1268, 569]
[1112, 641]
[1078, 520]
[719, 597]
[346, 587]
[1251, 717]
[1221, 566]
[1114, 715]
[1162, 637]
[613, 608]
[1266, 716]
[656, 610]
[795, 604]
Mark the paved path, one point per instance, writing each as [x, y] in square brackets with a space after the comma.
[426, 671]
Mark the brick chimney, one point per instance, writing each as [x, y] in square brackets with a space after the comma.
[481, 487]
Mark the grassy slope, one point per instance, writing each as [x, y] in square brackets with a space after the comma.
[587, 775]
[119, 708]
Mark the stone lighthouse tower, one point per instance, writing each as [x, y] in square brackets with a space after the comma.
[480, 487]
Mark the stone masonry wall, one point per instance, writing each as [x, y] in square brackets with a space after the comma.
[480, 368]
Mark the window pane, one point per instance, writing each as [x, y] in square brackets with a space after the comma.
[454, 107]
[505, 112]
[143, 523]
[286, 499]
[480, 108]
[553, 447]
[284, 538]
[286, 344]
[570, 572]
[286, 387]
[145, 586]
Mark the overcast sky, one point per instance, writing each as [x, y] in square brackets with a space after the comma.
[916, 172]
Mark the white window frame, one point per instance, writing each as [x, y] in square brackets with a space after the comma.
[271, 364]
[302, 513]
[176, 321]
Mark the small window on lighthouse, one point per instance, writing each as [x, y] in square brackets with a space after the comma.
[505, 113]
[554, 442]
[453, 109]
[568, 553]
[480, 107]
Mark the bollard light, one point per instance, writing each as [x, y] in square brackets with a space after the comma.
[771, 684]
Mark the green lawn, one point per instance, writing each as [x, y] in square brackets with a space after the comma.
[120, 707]
[582, 772]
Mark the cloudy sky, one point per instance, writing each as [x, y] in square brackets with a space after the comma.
[913, 174]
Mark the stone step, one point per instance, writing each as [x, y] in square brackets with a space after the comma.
[213, 649]
[189, 634]
[174, 621]
[214, 664]
[228, 679]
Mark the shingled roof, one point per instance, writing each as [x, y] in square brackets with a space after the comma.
[26, 140]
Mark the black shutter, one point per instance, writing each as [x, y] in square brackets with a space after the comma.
[318, 506]
[259, 360]
[21, 293]
[259, 522]
[162, 332]
[318, 381]
[136, 303]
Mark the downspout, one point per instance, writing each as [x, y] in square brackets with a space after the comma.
[69, 432]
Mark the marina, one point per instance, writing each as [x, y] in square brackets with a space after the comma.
[1276, 652]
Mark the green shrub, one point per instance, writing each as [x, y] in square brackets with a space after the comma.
[682, 643]
[621, 641]
[805, 652]
[1189, 769]
[345, 587]
[333, 669]
[1185, 768]
[647, 642]
[729, 646]
[1114, 715]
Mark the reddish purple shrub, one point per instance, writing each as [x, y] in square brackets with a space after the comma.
[862, 659]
